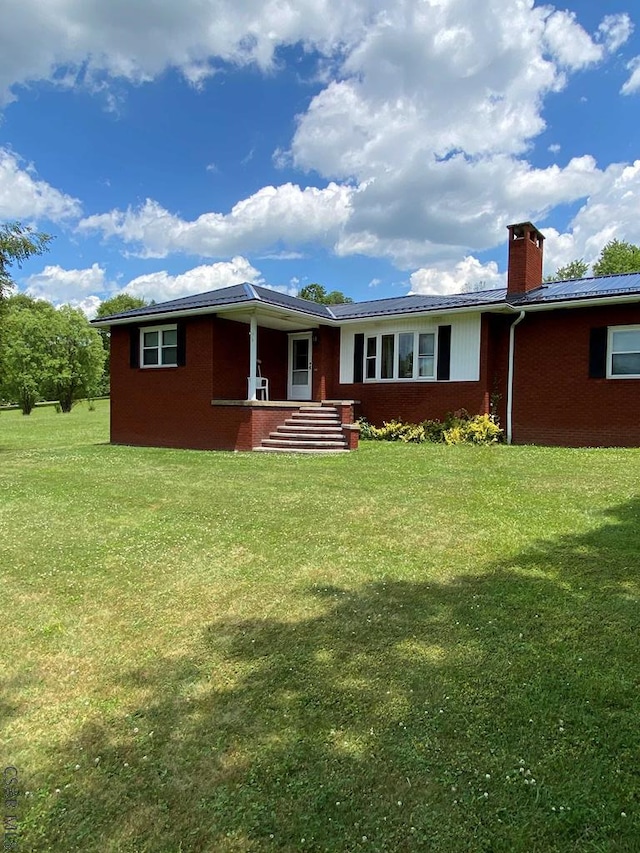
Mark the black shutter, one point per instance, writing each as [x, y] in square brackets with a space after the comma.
[444, 352]
[182, 344]
[598, 353]
[134, 346]
[358, 358]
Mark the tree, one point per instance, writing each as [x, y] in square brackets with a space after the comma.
[17, 243]
[118, 304]
[27, 358]
[617, 256]
[574, 269]
[79, 355]
[48, 353]
[317, 293]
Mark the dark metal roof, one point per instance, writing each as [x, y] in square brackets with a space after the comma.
[282, 300]
[549, 292]
[416, 303]
[582, 288]
[234, 295]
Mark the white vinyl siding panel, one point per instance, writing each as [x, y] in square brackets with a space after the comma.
[465, 343]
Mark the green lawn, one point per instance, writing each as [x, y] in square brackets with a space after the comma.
[407, 648]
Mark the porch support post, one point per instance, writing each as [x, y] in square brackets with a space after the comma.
[253, 357]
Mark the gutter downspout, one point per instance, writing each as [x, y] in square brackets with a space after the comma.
[512, 341]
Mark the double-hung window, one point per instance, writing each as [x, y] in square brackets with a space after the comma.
[402, 355]
[624, 352]
[159, 346]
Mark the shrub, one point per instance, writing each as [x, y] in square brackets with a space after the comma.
[457, 428]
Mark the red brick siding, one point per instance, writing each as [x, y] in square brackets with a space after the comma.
[171, 407]
[555, 401]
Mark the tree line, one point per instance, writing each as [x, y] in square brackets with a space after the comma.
[48, 353]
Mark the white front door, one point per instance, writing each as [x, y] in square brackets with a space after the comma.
[300, 372]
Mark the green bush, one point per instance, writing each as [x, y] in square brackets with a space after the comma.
[457, 428]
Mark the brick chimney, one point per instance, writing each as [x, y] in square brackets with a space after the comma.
[525, 258]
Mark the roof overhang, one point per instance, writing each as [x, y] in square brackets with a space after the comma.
[270, 316]
[287, 319]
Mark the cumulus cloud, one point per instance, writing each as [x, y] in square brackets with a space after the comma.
[426, 116]
[467, 275]
[436, 79]
[273, 217]
[161, 286]
[80, 43]
[23, 195]
[60, 286]
[611, 212]
[569, 43]
[415, 216]
[615, 30]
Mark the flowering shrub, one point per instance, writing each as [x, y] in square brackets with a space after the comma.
[457, 428]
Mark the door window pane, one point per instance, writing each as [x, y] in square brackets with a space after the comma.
[300, 354]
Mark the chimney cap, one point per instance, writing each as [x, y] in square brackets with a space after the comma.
[520, 229]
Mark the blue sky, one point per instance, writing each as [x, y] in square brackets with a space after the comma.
[375, 147]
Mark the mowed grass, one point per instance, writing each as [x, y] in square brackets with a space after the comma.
[407, 648]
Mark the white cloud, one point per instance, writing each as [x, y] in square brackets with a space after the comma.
[554, 148]
[611, 212]
[74, 287]
[161, 286]
[79, 43]
[274, 216]
[25, 196]
[615, 30]
[468, 274]
[440, 212]
[632, 85]
[569, 43]
[427, 114]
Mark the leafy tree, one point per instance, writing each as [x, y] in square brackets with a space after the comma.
[574, 269]
[48, 353]
[28, 361]
[118, 304]
[80, 357]
[617, 256]
[17, 243]
[317, 293]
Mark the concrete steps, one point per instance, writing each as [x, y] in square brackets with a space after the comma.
[311, 429]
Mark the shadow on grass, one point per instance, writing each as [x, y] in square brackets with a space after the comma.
[494, 713]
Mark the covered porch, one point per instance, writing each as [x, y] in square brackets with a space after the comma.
[289, 372]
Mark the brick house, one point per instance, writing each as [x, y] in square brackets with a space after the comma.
[241, 367]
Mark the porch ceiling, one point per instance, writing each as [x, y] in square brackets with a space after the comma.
[285, 322]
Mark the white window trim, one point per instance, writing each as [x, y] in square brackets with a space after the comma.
[610, 333]
[396, 356]
[160, 329]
